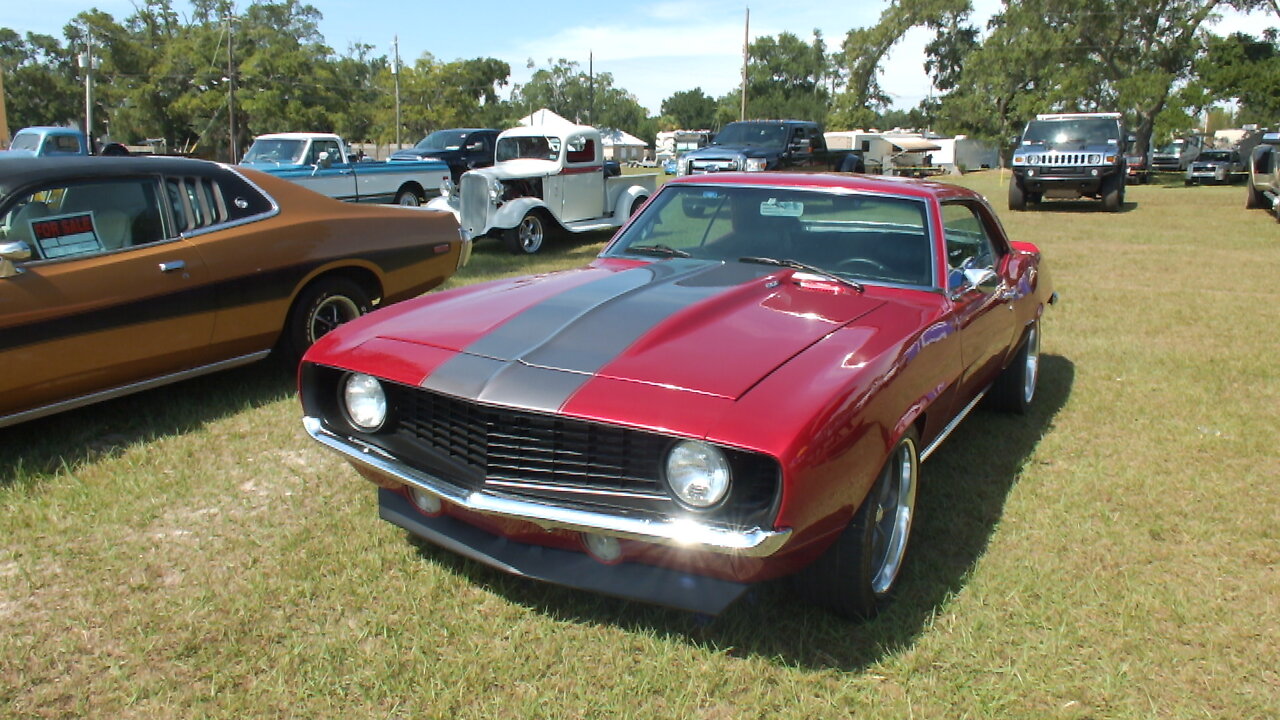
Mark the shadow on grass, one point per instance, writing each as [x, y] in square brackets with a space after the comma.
[72, 438]
[961, 501]
[1077, 206]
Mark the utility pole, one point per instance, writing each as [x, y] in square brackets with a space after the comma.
[746, 44]
[231, 89]
[88, 62]
[591, 88]
[395, 73]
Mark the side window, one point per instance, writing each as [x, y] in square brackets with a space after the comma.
[86, 218]
[196, 202]
[329, 146]
[581, 150]
[969, 244]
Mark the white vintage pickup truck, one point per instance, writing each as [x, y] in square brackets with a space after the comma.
[544, 179]
[324, 163]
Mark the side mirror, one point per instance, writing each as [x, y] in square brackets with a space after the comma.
[984, 280]
[10, 253]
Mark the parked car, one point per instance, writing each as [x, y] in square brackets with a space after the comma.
[545, 179]
[1070, 156]
[1263, 182]
[323, 162]
[1137, 169]
[121, 274]
[1177, 154]
[45, 141]
[462, 149]
[742, 386]
[670, 166]
[769, 145]
[1215, 166]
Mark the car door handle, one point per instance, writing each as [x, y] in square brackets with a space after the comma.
[172, 265]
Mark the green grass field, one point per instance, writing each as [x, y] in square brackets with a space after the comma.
[189, 553]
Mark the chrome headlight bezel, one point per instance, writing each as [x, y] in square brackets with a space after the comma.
[698, 474]
[755, 164]
[495, 191]
[363, 402]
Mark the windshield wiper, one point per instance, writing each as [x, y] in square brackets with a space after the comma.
[658, 249]
[804, 267]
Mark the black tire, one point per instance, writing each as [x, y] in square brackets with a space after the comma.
[320, 307]
[528, 237]
[856, 576]
[1253, 199]
[1015, 388]
[1035, 197]
[1017, 196]
[1112, 194]
[408, 197]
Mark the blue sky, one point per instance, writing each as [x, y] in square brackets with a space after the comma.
[653, 49]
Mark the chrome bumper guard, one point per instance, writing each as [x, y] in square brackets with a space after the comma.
[677, 532]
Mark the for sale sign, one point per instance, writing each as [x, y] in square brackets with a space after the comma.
[63, 235]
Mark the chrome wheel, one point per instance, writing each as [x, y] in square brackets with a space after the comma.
[328, 314]
[530, 234]
[408, 198]
[895, 504]
[1032, 371]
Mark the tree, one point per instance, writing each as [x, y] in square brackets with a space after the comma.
[864, 48]
[1243, 68]
[38, 80]
[590, 100]
[786, 78]
[1079, 55]
[689, 110]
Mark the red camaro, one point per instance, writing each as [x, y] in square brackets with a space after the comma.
[741, 387]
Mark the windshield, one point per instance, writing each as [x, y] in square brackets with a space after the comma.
[1216, 155]
[535, 147]
[442, 140]
[1077, 131]
[858, 237]
[276, 150]
[1172, 148]
[756, 134]
[25, 141]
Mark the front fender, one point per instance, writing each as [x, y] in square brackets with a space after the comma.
[510, 213]
[441, 203]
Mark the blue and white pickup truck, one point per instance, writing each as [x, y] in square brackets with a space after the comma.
[324, 163]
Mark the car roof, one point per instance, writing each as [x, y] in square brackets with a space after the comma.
[880, 184]
[22, 171]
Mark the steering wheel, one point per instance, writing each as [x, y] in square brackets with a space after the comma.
[852, 265]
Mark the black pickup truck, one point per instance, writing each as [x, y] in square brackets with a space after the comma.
[769, 145]
[462, 149]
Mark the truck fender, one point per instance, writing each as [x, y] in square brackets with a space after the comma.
[626, 198]
[513, 211]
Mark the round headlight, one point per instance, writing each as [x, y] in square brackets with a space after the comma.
[364, 401]
[495, 191]
[447, 188]
[698, 473]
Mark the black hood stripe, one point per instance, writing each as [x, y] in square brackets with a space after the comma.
[540, 357]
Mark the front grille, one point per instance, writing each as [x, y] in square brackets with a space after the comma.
[710, 166]
[474, 196]
[547, 457]
[1056, 159]
[511, 448]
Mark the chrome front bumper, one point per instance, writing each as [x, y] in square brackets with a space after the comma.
[675, 532]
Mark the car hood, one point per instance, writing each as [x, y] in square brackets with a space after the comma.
[704, 327]
[518, 169]
[415, 154]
